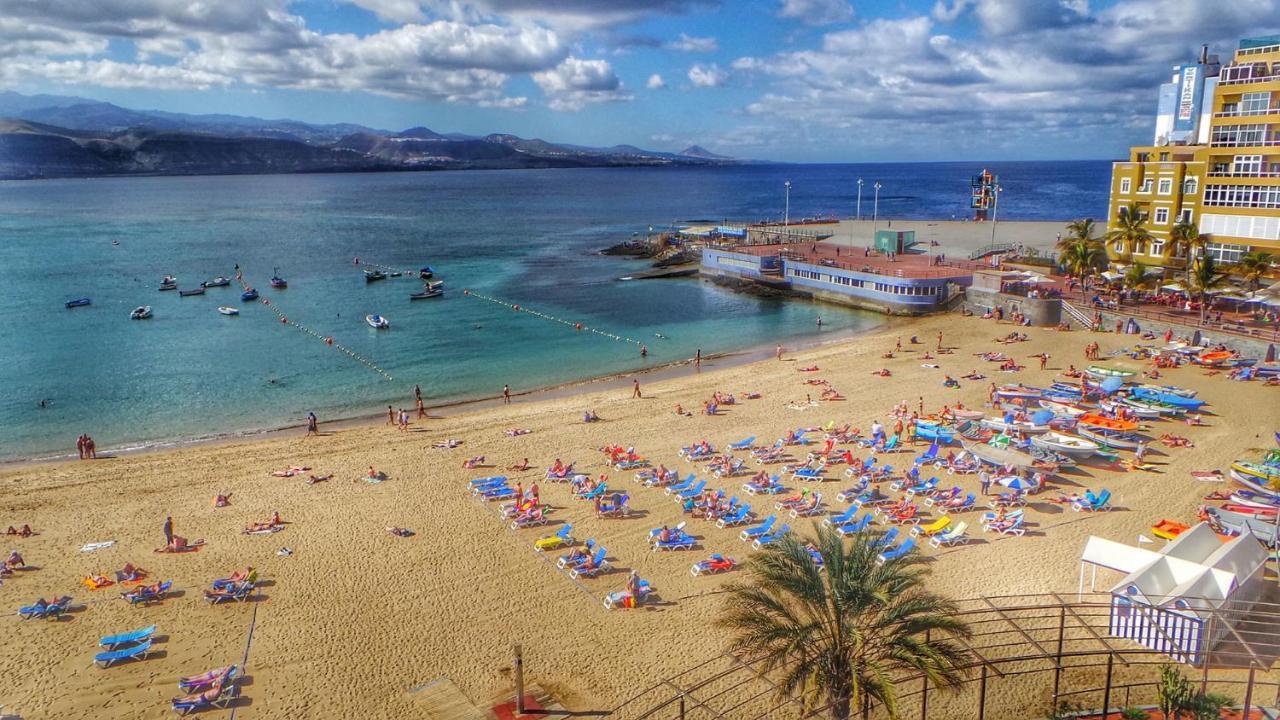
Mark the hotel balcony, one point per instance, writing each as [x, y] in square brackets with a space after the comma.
[1248, 174]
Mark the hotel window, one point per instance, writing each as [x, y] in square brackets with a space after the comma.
[1254, 196]
[1239, 135]
[1224, 253]
[1189, 186]
[1162, 216]
[1247, 165]
[1185, 216]
[1140, 247]
[1254, 102]
[1157, 246]
[1145, 187]
[1166, 186]
[1126, 186]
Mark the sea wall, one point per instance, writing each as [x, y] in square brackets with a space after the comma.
[1041, 311]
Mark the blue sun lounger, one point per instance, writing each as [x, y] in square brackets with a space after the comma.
[48, 611]
[134, 652]
[487, 480]
[855, 527]
[841, 519]
[771, 538]
[758, 529]
[598, 563]
[111, 642]
[887, 539]
[218, 697]
[679, 541]
[737, 517]
[929, 455]
[743, 444]
[897, 552]
[692, 492]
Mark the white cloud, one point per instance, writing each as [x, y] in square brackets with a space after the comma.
[108, 73]
[655, 82]
[1007, 17]
[707, 75]
[393, 10]
[575, 83]
[817, 12]
[687, 43]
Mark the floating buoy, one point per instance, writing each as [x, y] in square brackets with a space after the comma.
[328, 341]
[577, 326]
[284, 320]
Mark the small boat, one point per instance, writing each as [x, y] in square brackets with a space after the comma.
[1141, 410]
[1004, 457]
[927, 430]
[1213, 358]
[1236, 523]
[249, 295]
[1147, 406]
[1256, 471]
[1107, 438]
[1102, 421]
[276, 281]
[1073, 447]
[1167, 398]
[426, 273]
[78, 302]
[169, 283]
[1014, 392]
[1002, 425]
[374, 275]
[1169, 529]
[141, 312]
[432, 289]
[228, 310]
[1109, 371]
[1256, 511]
[192, 291]
[220, 281]
[968, 414]
[1254, 483]
[377, 322]
[1063, 409]
[1255, 499]
[1171, 389]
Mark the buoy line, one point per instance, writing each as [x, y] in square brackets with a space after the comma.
[575, 325]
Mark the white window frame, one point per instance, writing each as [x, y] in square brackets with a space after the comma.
[1165, 187]
[1145, 187]
[1126, 186]
[1161, 216]
[1157, 245]
[1224, 253]
[1190, 186]
[1186, 215]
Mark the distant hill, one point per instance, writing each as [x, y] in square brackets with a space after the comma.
[61, 136]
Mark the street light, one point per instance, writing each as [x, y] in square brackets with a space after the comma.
[859, 198]
[786, 213]
[995, 208]
[875, 212]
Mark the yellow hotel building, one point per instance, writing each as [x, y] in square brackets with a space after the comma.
[1214, 162]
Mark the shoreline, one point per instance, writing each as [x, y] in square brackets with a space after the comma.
[451, 407]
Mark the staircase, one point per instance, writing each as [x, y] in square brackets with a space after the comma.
[1077, 314]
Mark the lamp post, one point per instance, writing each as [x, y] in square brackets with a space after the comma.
[875, 212]
[995, 209]
[786, 213]
[859, 198]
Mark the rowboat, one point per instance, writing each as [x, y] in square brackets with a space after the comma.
[1171, 389]
[1063, 409]
[1022, 392]
[249, 295]
[377, 322]
[140, 313]
[1142, 412]
[228, 310]
[77, 302]
[430, 290]
[1168, 398]
[1256, 484]
[374, 275]
[219, 281]
[968, 414]
[1214, 357]
[276, 281]
[927, 430]
[1002, 425]
[1254, 499]
[1237, 523]
[1101, 421]
[1110, 371]
[192, 291]
[1073, 447]
[1256, 471]
[1004, 457]
[1111, 438]
[1145, 407]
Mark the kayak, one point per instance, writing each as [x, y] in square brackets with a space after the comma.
[1101, 421]
[1168, 398]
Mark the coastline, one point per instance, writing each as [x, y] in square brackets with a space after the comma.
[453, 406]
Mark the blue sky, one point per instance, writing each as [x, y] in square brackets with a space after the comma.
[802, 80]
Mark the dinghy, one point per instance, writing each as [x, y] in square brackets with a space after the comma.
[219, 281]
[192, 291]
[249, 295]
[1167, 398]
[228, 310]
[1073, 447]
[78, 302]
[278, 282]
[1110, 371]
[377, 322]
[140, 313]
[1111, 438]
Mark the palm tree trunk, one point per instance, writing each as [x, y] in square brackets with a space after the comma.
[839, 699]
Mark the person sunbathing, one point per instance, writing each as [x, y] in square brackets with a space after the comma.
[882, 372]
[473, 462]
[517, 432]
[590, 416]
[576, 555]
[400, 532]
[948, 381]
[318, 479]
[130, 573]
[24, 532]
[15, 560]
[94, 582]
[520, 466]
[222, 500]
[289, 472]
[446, 444]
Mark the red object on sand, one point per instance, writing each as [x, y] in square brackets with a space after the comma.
[507, 710]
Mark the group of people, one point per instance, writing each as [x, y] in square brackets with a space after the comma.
[87, 449]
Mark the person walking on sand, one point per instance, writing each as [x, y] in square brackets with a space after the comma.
[168, 531]
[80, 444]
[898, 346]
[939, 339]
[1044, 358]
[779, 352]
[391, 416]
[697, 359]
[635, 389]
[90, 449]
[506, 394]
[422, 409]
[313, 425]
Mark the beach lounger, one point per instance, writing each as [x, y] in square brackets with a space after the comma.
[529, 519]
[1010, 528]
[598, 563]
[771, 538]
[626, 599]
[929, 455]
[717, 563]
[551, 542]
[145, 595]
[988, 520]
[758, 529]
[932, 528]
[886, 540]
[773, 488]
[565, 561]
[564, 475]
[954, 507]
[740, 515]
[503, 492]
[891, 445]
[810, 473]
[133, 652]
[743, 444]
[1101, 503]
[249, 576]
[942, 498]
[906, 547]
[692, 492]
[817, 509]
[955, 535]
[680, 540]
[683, 485]
[857, 526]
[48, 611]
[860, 470]
[841, 519]
[737, 467]
[215, 697]
[486, 480]
[236, 593]
[206, 680]
[111, 642]
[597, 491]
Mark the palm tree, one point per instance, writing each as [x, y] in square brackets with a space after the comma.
[1252, 266]
[1185, 238]
[1204, 277]
[1130, 230]
[1082, 258]
[847, 633]
[1135, 278]
[1076, 230]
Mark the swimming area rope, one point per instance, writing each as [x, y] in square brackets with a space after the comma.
[575, 325]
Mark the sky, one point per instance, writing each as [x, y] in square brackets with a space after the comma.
[782, 80]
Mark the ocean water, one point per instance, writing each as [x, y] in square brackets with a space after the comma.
[527, 237]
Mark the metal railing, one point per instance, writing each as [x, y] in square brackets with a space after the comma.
[1229, 326]
[1254, 79]
[1249, 174]
[1077, 315]
[1246, 113]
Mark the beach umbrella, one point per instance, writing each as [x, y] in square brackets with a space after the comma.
[1040, 417]
[1013, 482]
[1174, 286]
[1112, 384]
[1111, 275]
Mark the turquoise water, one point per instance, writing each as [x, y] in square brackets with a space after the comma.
[524, 236]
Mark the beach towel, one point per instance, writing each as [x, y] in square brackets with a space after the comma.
[90, 547]
[1208, 475]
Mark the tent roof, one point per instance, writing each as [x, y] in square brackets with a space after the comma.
[1115, 555]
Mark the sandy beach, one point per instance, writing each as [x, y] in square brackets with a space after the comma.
[355, 618]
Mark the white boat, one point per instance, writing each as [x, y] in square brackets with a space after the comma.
[220, 281]
[1025, 426]
[1147, 413]
[377, 322]
[141, 313]
[1111, 438]
[1063, 409]
[228, 310]
[1073, 447]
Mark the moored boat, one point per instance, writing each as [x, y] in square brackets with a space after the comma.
[249, 295]
[1100, 370]
[142, 312]
[1073, 447]
[426, 273]
[377, 322]
[1167, 398]
[228, 310]
[78, 302]
[276, 281]
[430, 290]
[192, 291]
[374, 275]
[169, 283]
[1109, 438]
[220, 281]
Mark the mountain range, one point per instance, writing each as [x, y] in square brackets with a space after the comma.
[43, 136]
